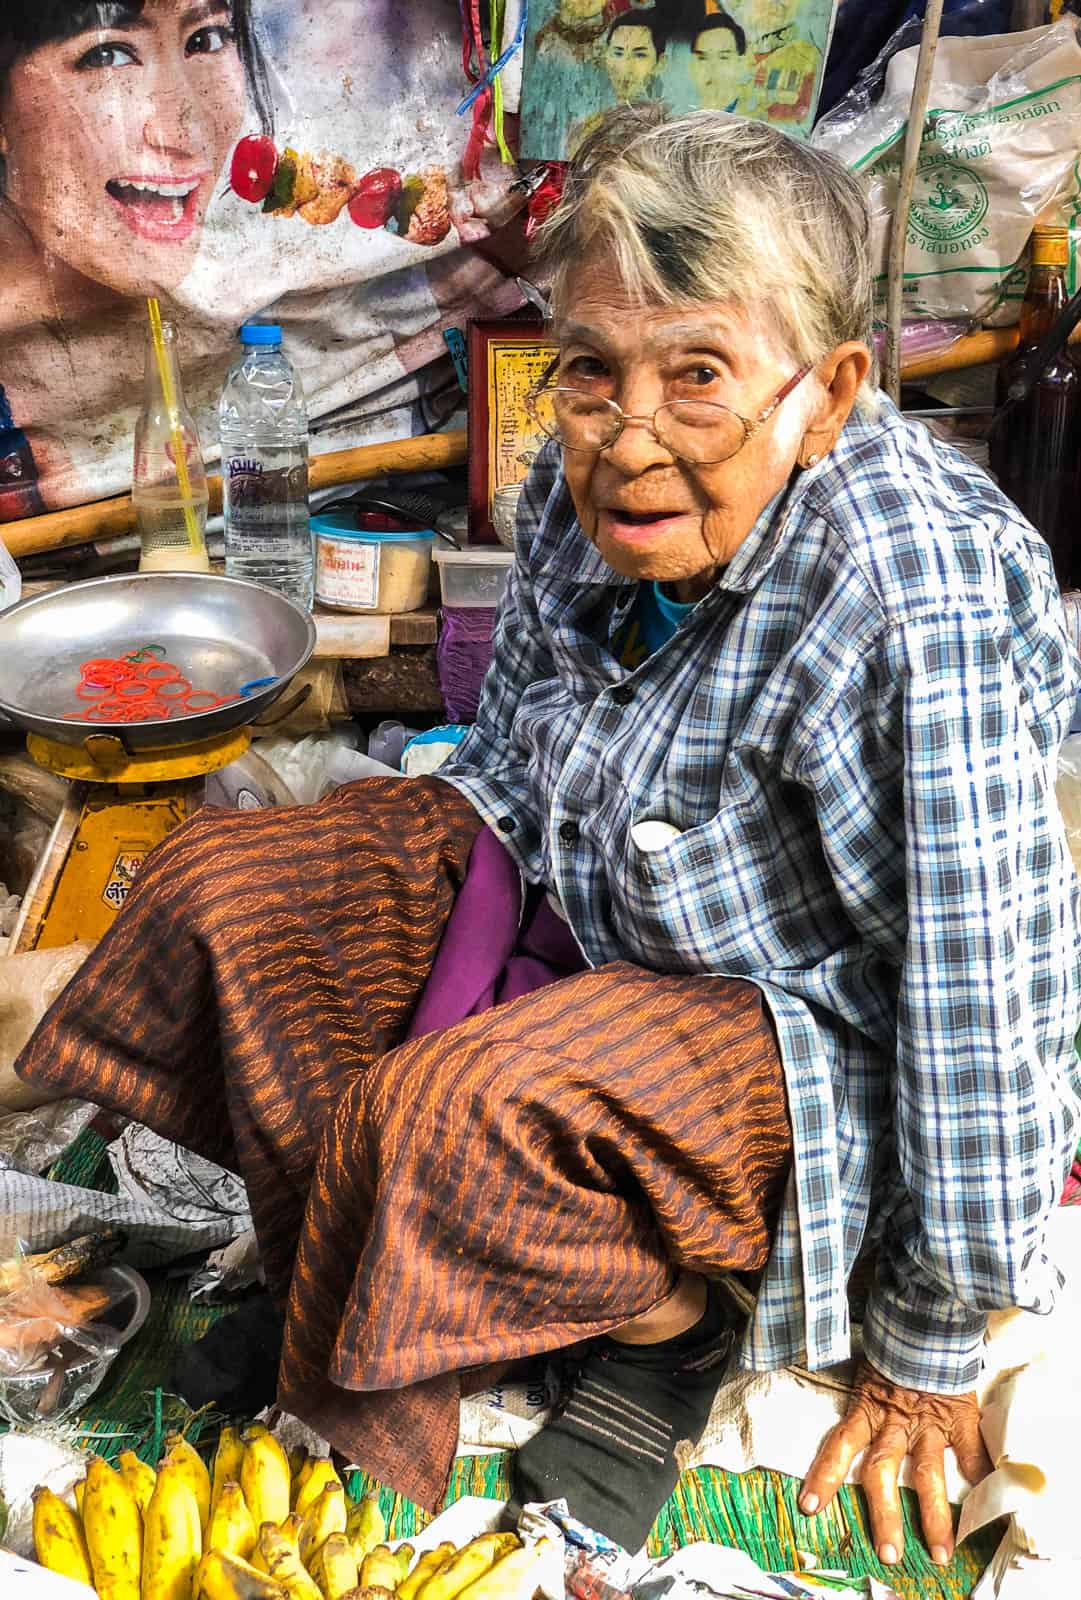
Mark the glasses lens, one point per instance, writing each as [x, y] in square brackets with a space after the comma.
[698, 430]
[579, 420]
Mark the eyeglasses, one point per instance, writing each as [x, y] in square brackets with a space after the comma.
[698, 431]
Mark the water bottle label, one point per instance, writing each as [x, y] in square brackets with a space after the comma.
[346, 573]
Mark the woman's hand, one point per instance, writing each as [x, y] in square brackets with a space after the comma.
[889, 1423]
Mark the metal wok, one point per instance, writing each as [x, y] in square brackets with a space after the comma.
[222, 633]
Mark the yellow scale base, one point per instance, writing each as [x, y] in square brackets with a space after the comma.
[118, 809]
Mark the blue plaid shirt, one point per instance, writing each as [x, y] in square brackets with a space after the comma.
[855, 732]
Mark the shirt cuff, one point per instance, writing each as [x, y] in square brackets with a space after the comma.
[922, 1341]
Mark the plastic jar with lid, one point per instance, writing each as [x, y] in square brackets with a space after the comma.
[359, 567]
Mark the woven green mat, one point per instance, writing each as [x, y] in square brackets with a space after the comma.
[753, 1511]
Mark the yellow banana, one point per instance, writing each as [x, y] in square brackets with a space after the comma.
[227, 1459]
[319, 1474]
[221, 1576]
[284, 1565]
[80, 1491]
[289, 1530]
[427, 1566]
[256, 1430]
[297, 1457]
[173, 1540]
[264, 1478]
[139, 1478]
[513, 1577]
[300, 1476]
[114, 1532]
[365, 1525]
[192, 1465]
[379, 1569]
[465, 1567]
[334, 1567]
[325, 1515]
[59, 1541]
[231, 1527]
[404, 1557]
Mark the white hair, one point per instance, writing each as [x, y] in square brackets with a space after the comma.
[709, 207]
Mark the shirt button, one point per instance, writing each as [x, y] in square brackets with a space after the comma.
[623, 694]
[568, 832]
[506, 824]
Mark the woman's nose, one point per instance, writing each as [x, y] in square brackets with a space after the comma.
[168, 121]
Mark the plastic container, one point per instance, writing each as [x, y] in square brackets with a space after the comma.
[473, 577]
[75, 1367]
[263, 425]
[361, 567]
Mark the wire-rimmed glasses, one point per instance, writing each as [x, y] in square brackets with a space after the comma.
[698, 431]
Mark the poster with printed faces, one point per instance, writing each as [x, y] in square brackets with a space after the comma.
[290, 160]
[753, 58]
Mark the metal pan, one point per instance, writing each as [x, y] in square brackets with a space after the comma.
[222, 633]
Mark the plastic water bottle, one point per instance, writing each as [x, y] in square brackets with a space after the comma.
[263, 426]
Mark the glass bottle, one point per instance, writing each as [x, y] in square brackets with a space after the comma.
[172, 542]
[1036, 447]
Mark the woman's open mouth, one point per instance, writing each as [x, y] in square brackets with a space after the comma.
[638, 527]
[162, 209]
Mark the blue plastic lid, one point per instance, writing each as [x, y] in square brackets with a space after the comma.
[261, 333]
[343, 526]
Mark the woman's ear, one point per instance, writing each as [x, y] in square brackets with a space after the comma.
[840, 375]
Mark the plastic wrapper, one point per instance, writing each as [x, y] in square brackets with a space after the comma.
[312, 767]
[1068, 791]
[57, 1341]
[922, 340]
[999, 147]
[228, 1271]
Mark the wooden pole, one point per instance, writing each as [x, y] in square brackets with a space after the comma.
[895, 283]
[112, 519]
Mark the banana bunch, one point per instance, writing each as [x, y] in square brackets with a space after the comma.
[259, 1526]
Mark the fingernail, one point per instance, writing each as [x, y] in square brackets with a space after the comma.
[940, 1555]
[809, 1503]
[887, 1555]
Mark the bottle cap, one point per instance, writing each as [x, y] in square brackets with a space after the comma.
[1050, 246]
[260, 333]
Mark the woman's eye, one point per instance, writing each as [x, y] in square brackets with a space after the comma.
[700, 377]
[207, 41]
[107, 55]
[585, 367]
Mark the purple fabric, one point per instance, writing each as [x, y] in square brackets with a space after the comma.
[462, 657]
[493, 949]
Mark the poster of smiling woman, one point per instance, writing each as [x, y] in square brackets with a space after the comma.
[237, 158]
[754, 58]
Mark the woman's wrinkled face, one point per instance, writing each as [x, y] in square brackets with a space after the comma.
[649, 514]
[114, 138]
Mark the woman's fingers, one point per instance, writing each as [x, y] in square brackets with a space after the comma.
[929, 1482]
[968, 1446]
[830, 1466]
[878, 1475]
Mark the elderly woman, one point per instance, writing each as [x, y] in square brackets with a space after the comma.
[740, 938]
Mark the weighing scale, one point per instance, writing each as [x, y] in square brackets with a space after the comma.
[133, 782]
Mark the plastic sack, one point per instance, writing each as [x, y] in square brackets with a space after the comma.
[11, 584]
[1000, 141]
[312, 767]
[29, 983]
[1068, 792]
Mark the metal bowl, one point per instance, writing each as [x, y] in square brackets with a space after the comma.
[222, 633]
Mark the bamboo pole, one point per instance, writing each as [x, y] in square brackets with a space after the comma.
[113, 519]
[921, 90]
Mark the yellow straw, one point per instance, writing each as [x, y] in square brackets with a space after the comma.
[190, 519]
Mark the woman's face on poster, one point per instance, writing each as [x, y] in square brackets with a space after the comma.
[718, 71]
[113, 139]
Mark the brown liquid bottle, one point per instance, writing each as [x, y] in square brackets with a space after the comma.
[1036, 446]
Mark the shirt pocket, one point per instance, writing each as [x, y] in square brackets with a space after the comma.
[685, 907]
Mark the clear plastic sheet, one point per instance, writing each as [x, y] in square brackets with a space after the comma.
[999, 146]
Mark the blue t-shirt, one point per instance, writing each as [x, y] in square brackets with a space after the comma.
[652, 622]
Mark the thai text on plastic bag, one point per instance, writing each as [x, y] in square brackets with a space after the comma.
[999, 148]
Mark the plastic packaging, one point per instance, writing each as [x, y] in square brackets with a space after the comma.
[263, 425]
[312, 767]
[11, 583]
[58, 1342]
[170, 541]
[999, 146]
[473, 577]
[364, 568]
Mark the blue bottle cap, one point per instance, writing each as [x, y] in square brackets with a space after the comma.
[261, 333]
